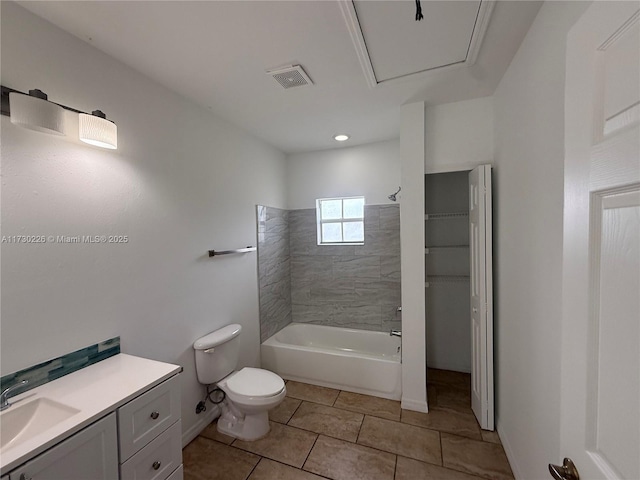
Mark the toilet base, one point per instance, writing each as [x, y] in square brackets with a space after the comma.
[245, 427]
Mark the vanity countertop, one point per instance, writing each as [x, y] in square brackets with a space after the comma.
[95, 391]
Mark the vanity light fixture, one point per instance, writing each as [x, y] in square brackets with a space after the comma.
[96, 130]
[341, 137]
[34, 111]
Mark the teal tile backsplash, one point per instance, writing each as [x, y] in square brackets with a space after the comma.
[58, 367]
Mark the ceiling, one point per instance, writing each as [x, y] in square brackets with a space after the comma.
[216, 53]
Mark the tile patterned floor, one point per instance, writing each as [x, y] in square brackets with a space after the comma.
[321, 433]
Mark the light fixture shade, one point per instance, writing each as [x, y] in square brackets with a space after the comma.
[36, 114]
[98, 131]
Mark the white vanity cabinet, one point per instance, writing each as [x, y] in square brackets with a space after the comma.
[91, 453]
[151, 435]
[137, 440]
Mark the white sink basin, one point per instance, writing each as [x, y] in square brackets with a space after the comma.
[20, 423]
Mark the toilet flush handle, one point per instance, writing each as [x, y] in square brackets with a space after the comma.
[209, 350]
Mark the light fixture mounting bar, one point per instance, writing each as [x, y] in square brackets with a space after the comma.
[6, 108]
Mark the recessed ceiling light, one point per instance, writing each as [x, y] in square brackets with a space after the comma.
[341, 137]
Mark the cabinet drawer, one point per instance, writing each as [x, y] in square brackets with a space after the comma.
[157, 460]
[144, 418]
[177, 474]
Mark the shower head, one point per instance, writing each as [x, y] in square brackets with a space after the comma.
[392, 197]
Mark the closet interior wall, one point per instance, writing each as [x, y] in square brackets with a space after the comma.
[447, 271]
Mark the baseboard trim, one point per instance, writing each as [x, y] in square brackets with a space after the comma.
[415, 405]
[509, 451]
[210, 415]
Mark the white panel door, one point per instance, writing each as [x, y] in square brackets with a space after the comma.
[480, 239]
[600, 387]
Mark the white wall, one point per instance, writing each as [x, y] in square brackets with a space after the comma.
[372, 170]
[528, 209]
[414, 361]
[459, 136]
[181, 182]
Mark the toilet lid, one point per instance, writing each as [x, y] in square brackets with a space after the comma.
[255, 382]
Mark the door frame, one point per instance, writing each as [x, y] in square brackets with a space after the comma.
[486, 422]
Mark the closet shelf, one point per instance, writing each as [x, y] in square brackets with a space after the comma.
[445, 279]
[445, 216]
[428, 250]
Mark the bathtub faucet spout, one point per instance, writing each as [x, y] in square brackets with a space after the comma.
[395, 333]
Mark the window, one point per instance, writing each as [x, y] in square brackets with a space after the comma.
[340, 221]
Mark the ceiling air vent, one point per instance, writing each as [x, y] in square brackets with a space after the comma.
[290, 76]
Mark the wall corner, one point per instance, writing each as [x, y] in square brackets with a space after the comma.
[412, 152]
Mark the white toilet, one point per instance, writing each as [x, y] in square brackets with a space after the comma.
[250, 392]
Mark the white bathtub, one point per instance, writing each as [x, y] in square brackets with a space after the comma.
[354, 360]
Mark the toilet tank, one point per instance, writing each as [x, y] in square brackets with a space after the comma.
[217, 354]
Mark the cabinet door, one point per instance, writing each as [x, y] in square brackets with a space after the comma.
[91, 453]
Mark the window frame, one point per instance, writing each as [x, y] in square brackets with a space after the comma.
[320, 221]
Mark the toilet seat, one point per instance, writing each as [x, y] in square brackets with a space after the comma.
[255, 383]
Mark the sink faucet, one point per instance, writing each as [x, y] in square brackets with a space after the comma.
[395, 333]
[4, 396]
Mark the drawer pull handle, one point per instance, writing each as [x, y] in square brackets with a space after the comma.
[23, 476]
[155, 415]
[156, 465]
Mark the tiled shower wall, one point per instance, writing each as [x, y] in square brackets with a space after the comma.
[274, 273]
[354, 286]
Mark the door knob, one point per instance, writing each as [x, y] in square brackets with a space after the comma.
[567, 471]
